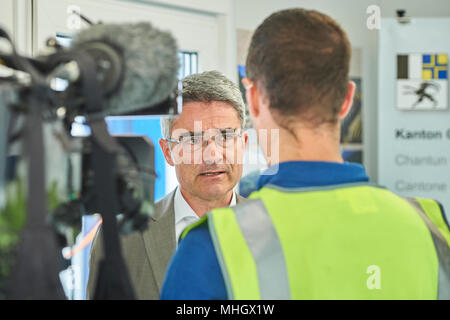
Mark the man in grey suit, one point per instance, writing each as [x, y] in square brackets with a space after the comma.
[206, 145]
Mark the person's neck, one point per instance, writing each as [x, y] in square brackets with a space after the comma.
[203, 206]
[308, 145]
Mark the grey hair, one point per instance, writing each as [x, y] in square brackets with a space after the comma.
[207, 87]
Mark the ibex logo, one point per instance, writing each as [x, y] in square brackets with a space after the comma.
[422, 81]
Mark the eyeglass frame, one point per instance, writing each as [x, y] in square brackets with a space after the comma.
[238, 134]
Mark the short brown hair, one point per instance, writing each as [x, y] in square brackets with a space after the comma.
[301, 59]
[208, 86]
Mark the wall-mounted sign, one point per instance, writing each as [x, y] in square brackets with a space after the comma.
[414, 146]
[422, 81]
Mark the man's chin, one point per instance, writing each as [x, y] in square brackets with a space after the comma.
[214, 192]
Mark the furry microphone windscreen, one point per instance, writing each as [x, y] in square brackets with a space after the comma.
[150, 60]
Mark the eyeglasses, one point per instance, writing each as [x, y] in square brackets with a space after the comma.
[192, 142]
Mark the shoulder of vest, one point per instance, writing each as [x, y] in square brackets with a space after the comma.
[435, 211]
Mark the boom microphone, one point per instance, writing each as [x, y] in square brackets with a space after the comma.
[136, 64]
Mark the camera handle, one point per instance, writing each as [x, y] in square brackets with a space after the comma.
[113, 279]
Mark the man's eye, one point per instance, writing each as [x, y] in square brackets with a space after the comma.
[194, 140]
[227, 136]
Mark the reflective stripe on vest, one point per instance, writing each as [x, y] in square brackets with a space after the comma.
[278, 247]
[442, 248]
[266, 249]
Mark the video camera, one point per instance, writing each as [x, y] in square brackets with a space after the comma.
[48, 178]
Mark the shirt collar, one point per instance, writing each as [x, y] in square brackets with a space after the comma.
[183, 209]
[298, 174]
[233, 200]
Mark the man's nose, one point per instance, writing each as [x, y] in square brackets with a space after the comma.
[212, 153]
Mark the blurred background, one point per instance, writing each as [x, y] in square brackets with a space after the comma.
[403, 143]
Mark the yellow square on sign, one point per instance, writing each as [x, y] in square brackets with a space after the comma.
[442, 59]
[427, 74]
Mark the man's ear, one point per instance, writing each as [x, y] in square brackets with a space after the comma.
[166, 151]
[348, 102]
[251, 95]
[245, 138]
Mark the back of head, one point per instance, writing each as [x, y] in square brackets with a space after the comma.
[300, 59]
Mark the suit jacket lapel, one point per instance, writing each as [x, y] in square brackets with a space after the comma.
[159, 237]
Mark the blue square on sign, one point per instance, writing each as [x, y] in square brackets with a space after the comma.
[426, 58]
[442, 74]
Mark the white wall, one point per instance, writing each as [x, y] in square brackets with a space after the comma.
[224, 11]
[23, 19]
[15, 17]
[6, 15]
[54, 16]
[352, 16]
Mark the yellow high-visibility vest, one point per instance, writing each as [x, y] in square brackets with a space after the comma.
[355, 241]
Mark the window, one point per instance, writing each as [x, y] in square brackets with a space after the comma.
[188, 63]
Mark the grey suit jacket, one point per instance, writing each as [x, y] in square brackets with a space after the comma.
[147, 254]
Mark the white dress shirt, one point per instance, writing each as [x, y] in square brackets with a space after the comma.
[184, 215]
